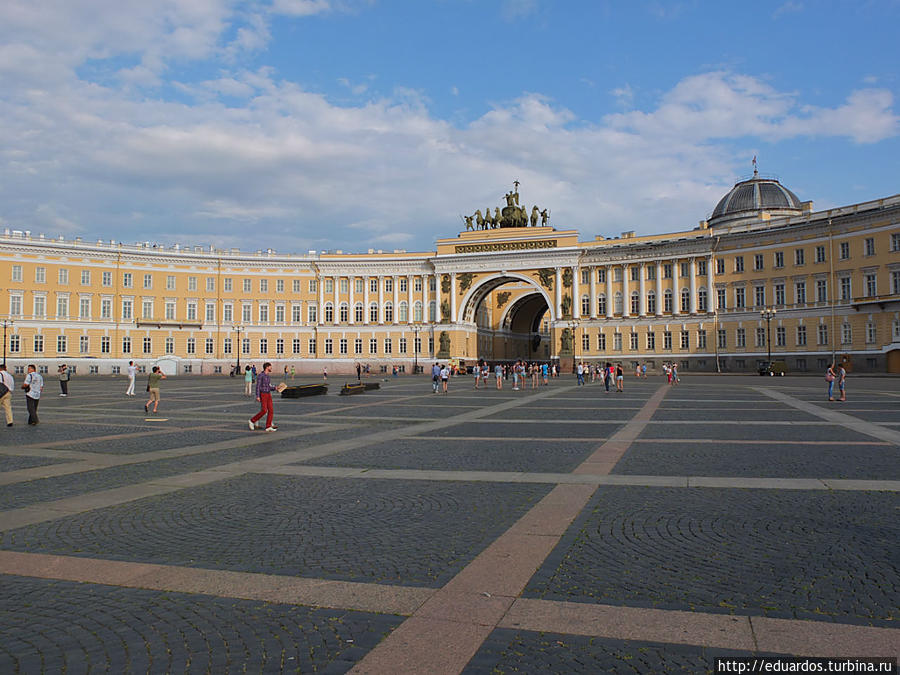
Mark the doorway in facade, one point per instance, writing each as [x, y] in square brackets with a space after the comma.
[511, 322]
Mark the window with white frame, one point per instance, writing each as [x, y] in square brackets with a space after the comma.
[401, 346]
[297, 313]
[895, 282]
[40, 275]
[84, 344]
[170, 345]
[758, 262]
[329, 313]
[373, 346]
[263, 312]
[170, 310]
[127, 309]
[651, 302]
[344, 312]
[191, 346]
[845, 289]
[357, 346]
[63, 276]
[85, 277]
[311, 313]
[821, 290]
[740, 338]
[801, 336]
[799, 256]
[104, 344]
[246, 313]
[279, 313]
[667, 340]
[601, 341]
[16, 273]
[651, 341]
[127, 280]
[245, 345]
[632, 341]
[388, 312]
[417, 312]
[667, 301]
[311, 346]
[329, 344]
[870, 332]
[84, 308]
[279, 285]
[210, 312]
[702, 300]
[15, 344]
[106, 279]
[759, 296]
[227, 284]
[192, 283]
[846, 334]
[685, 300]
[617, 341]
[264, 345]
[295, 285]
[373, 312]
[701, 339]
[210, 284]
[192, 311]
[601, 304]
[227, 312]
[329, 287]
[106, 308]
[845, 250]
[389, 285]
[62, 307]
[148, 281]
[779, 259]
[170, 282]
[62, 344]
[279, 346]
[871, 285]
[147, 345]
[247, 285]
[780, 336]
[685, 340]
[822, 334]
[263, 285]
[210, 345]
[870, 246]
[295, 346]
[760, 336]
[800, 292]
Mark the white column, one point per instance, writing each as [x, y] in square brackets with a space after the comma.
[409, 287]
[366, 300]
[676, 293]
[337, 299]
[350, 315]
[321, 314]
[425, 298]
[610, 305]
[559, 292]
[642, 289]
[593, 276]
[710, 285]
[576, 293]
[660, 305]
[380, 298]
[453, 297]
[693, 277]
[626, 301]
[396, 299]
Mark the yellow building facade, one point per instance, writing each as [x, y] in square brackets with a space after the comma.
[829, 282]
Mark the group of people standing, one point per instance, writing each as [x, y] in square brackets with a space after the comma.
[839, 375]
[33, 386]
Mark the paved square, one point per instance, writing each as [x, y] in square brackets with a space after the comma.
[557, 529]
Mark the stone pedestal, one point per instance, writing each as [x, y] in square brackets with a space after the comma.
[566, 364]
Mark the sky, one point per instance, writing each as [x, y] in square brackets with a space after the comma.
[319, 125]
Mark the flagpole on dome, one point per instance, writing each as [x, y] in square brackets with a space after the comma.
[755, 168]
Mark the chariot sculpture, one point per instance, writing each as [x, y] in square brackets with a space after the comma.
[512, 215]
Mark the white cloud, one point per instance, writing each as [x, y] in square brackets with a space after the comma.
[513, 10]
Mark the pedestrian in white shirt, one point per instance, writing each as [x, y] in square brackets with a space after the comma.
[132, 371]
[6, 399]
[33, 386]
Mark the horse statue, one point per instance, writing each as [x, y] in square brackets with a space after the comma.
[497, 217]
[488, 219]
[534, 216]
[479, 220]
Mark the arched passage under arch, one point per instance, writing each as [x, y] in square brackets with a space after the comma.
[511, 315]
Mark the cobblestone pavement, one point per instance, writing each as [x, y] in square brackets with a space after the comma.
[479, 531]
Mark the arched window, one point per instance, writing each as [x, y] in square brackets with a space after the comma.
[585, 305]
[388, 312]
[329, 312]
[417, 312]
[702, 300]
[373, 312]
[601, 304]
[344, 312]
[667, 305]
[403, 312]
[651, 302]
[432, 311]
[358, 312]
[685, 300]
[635, 302]
[617, 307]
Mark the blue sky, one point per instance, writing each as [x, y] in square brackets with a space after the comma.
[357, 124]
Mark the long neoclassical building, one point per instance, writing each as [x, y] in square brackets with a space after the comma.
[764, 274]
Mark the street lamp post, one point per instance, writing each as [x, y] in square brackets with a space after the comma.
[768, 314]
[238, 328]
[6, 322]
[574, 326]
[416, 328]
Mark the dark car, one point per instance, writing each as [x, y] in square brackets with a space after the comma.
[772, 368]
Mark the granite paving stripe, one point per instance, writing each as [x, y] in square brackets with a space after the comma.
[735, 416]
[769, 431]
[20, 462]
[266, 587]
[45, 626]
[414, 533]
[836, 417]
[540, 429]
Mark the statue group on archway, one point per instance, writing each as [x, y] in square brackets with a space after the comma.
[512, 215]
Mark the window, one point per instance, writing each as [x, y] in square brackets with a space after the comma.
[702, 300]
[311, 313]
[14, 344]
[739, 298]
[417, 344]
[779, 294]
[585, 276]
[685, 270]
[147, 345]
[344, 313]
[295, 346]
[191, 346]
[651, 302]
[617, 342]
[845, 289]
[295, 286]
[635, 273]
[601, 341]
[297, 313]
[210, 312]
[373, 312]
[402, 346]
[17, 273]
[342, 346]
[760, 337]
[403, 284]
[685, 340]
[388, 285]
[779, 259]
[127, 280]
[799, 256]
[585, 305]
[40, 275]
[403, 312]
[279, 346]
[801, 336]
[895, 282]
[871, 285]
[618, 303]
[635, 302]
[701, 268]
[738, 263]
[15, 305]
[227, 283]
[359, 284]
[821, 290]
[63, 276]
[106, 308]
[192, 311]
[263, 345]
[313, 286]
[210, 284]
[170, 282]
[329, 313]
[279, 313]
[84, 308]
[148, 281]
[245, 345]
[601, 277]
[106, 279]
[723, 338]
[895, 242]
[388, 345]
[84, 344]
[721, 302]
[667, 301]
[740, 338]
[845, 250]
[248, 285]
[388, 313]
[685, 300]
[759, 296]
[800, 292]
[651, 272]
[870, 246]
[601, 304]
[358, 346]
[651, 341]
[667, 271]
[667, 340]
[170, 310]
[417, 311]
[127, 308]
[820, 254]
[85, 277]
[633, 341]
[311, 346]
[192, 283]
[758, 261]
[62, 344]
[846, 334]
[62, 307]
[373, 346]
[279, 285]
[780, 336]
[373, 285]
[822, 334]
[104, 345]
[39, 343]
[701, 339]
[263, 285]
[617, 274]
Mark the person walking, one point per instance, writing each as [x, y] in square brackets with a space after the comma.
[841, 378]
[620, 378]
[132, 371]
[264, 391]
[64, 376]
[498, 375]
[435, 377]
[33, 386]
[358, 373]
[248, 381]
[829, 378]
[579, 371]
[293, 371]
[445, 377]
[156, 374]
[6, 379]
